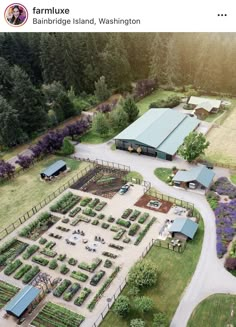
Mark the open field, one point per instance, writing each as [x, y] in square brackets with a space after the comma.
[214, 311]
[26, 190]
[143, 104]
[222, 147]
[175, 270]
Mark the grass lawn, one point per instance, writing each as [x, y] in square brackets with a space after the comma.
[143, 104]
[214, 311]
[26, 190]
[212, 117]
[163, 173]
[233, 178]
[94, 138]
[175, 270]
[135, 174]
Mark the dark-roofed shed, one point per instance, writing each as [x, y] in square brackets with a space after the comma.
[22, 300]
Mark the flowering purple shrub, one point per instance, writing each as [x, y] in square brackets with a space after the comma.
[223, 187]
[225, 215]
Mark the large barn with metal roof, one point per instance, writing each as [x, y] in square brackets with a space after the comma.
[158, 133]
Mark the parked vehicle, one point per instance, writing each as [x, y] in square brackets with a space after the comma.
[124, 189]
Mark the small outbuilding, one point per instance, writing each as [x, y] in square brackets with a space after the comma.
[54, 170]
[198, 177]
[183, 227]
[18, 305]
[203, 106]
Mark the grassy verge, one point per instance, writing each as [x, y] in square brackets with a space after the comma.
[175, 270]
[23, 192]
[214, 311]
[233, 178]
[143, 104]
[135, 174]
[163, 174]
[94, 138]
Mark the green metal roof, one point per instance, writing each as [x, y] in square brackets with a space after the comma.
[22, 300]
[49, 171]
[185, 226]
[163, 129]
[201, 174]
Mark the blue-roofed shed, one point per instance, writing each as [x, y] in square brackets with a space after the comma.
[54, 170]
[184, 226]
[200, 175]
[159, 132]
[22, 300]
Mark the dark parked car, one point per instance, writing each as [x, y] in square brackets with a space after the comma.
[209, 165]
[124, 189]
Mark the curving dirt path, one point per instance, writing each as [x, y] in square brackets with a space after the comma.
[210, 276]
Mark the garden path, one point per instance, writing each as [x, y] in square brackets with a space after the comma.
[210, 276]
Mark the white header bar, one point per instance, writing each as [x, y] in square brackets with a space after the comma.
[118, 16]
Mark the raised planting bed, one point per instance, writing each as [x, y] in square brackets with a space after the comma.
[90, 267]
[10, 250]
[134, 215]
[65, 220]
[89, 212]
[79, 276]
[61, 257]
[35, 229]
[82, 297]
[7, 291]
[76, 220]
[85, 201]
[102, 290]
[105, 225]
[42, 241]
[114, 228]
[20, 273]
[30, 274]
[63, 229]
[126, 213]
[71, 291]
[123, 223]
[49, 253]
[126, 240]
[116, 246]
[40, 260]
[50, 245]
[95, 222]
[107, 263]
[72, 261]
[100, 216]
[133, 229]
[64, 269]
[53, 315]
[61, 288]
[110, 219]
[97, 277]
[119, 234]
[53, 264]
[143, 217]
[93, 203]
[30, 251]
[100, 206]
[74, 211]
[11, 267]
[144, 231]
[109, 255]
[68, 201]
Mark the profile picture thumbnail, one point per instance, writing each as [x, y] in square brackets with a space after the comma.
[16, 14]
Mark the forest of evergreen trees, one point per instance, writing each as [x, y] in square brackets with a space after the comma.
[41, 73]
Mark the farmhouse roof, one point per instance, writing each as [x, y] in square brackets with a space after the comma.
[163, 129]
[200, 101]
[22, 300]
[201, 174]
[185, 226]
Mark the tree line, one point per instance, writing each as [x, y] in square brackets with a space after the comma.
[47, 77]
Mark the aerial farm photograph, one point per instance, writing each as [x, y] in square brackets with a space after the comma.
[118, 179]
